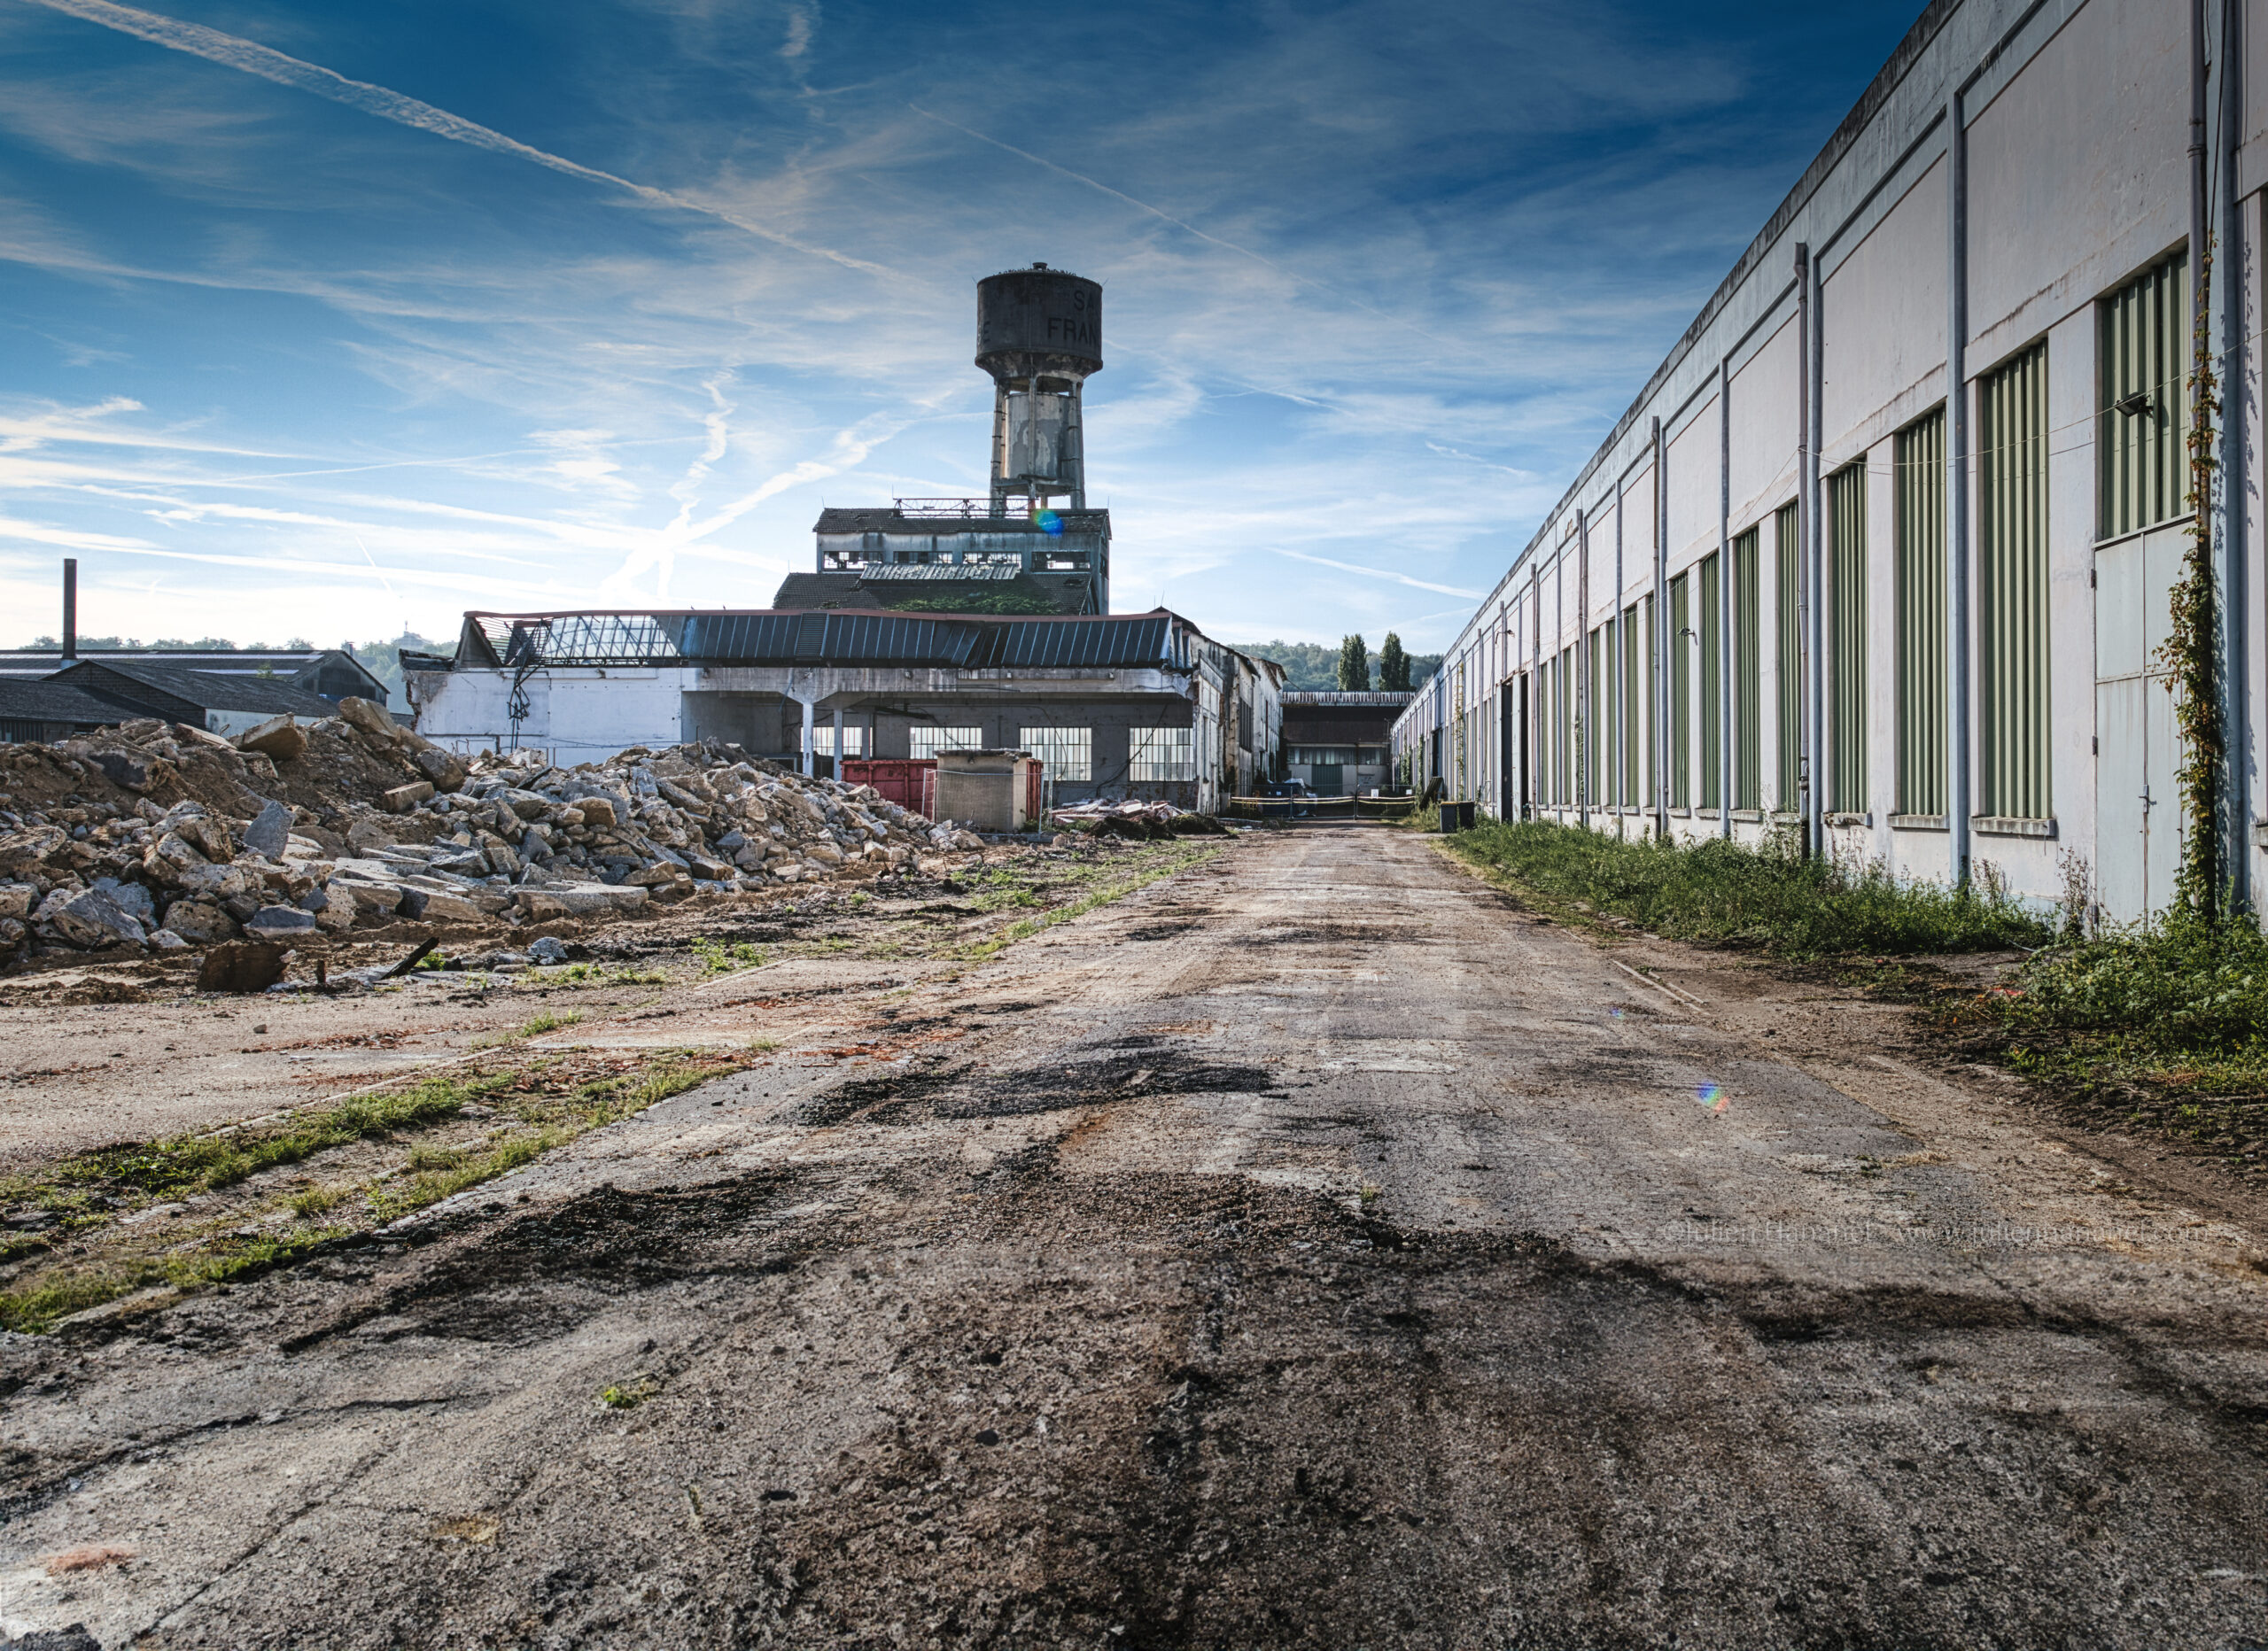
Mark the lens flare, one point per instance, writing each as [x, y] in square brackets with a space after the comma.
[1047, 521]
[1711, 1095]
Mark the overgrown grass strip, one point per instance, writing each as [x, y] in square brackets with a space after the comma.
[1726, 894]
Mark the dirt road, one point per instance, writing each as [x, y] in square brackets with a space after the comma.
[1312, 1249]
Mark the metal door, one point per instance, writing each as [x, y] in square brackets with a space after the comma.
[1329, 779]
[2138, 814]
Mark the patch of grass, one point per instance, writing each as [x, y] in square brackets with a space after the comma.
[179, 1165]
[549, 1021]
[442, 1174]
[315, 1201]
[1770, 899]
[38, 1307]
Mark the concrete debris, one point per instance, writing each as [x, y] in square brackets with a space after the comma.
[279, 738]
[1137, 820]
[159, 836]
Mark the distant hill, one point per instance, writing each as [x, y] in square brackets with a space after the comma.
[1311, 665]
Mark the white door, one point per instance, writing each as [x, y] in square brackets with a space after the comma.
[2138, 813]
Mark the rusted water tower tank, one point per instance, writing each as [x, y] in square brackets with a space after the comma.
[1039, 333]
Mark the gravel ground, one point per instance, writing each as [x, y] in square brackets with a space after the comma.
[1312, 1249]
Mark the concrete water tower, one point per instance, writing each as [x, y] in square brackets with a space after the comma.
[1039, 333]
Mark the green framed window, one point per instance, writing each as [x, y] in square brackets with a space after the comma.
[2142, 355]
[1713, 681]
[1846, 516]
[1748, 672]
[1921, 529]
[1680, 692]
[2012, 564]
[1787, 614]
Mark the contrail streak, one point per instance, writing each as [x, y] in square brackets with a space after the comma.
[1375, 573]
[1165, 217]
[270, 65]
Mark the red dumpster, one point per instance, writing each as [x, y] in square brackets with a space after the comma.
[909, 782]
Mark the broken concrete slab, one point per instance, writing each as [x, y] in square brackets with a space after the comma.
[279, 739]
[269, 831]
[283, 923]
[402, 799]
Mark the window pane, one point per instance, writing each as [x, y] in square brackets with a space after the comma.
[1846, 514]
[1747, 677]
[926, 740]
[2145, 400]
[2012, 464]
[1065, 754]
[1156, 754]
[1921, 616]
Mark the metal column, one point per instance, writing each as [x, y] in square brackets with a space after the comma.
[1957, 638]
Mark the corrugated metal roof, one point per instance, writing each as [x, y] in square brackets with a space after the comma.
[1135, 639]
[776, 637]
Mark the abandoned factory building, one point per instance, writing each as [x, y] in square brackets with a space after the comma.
[1125, 705]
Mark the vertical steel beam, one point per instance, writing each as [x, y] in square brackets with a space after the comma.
[1724, 597]
[1807, 775]
[2238, 249]
[1957, 631]
[1660, 634]
[1584, 709]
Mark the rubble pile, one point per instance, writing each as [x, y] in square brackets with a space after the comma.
[1137, 821]
[160, 836]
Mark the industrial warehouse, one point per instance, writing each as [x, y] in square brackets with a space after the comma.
[929, 626]
[1800, 586]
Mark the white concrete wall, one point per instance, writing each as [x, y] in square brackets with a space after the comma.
[576, 715]
[2077, 132]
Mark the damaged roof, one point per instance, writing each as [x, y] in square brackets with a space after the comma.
[809, 637]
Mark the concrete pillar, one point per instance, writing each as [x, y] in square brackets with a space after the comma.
[808, 710]
[838, 742]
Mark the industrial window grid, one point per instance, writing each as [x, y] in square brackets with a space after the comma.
[1159, 753]
[1748, 671]
[1564, 785]
[924, 740]
[1680, 694]
[1846, 512]
[1712, 682]
[2142, 362]
[2012, 422]
[1065, 754]
[854, 740]
[1637, 676]
[1601, 715]
[1920, 464]
[1787, 613]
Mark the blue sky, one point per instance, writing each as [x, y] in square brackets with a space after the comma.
[324, 319]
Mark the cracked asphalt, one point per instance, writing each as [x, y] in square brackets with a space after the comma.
[1312, 1250]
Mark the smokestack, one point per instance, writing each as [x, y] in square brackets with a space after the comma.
[70, 610]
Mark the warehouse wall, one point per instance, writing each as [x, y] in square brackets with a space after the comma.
[2076, 121]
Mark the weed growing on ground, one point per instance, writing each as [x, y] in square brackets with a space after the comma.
[629, 1395]
[547, 1020]
[1768, 899]
[2180, 1006]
